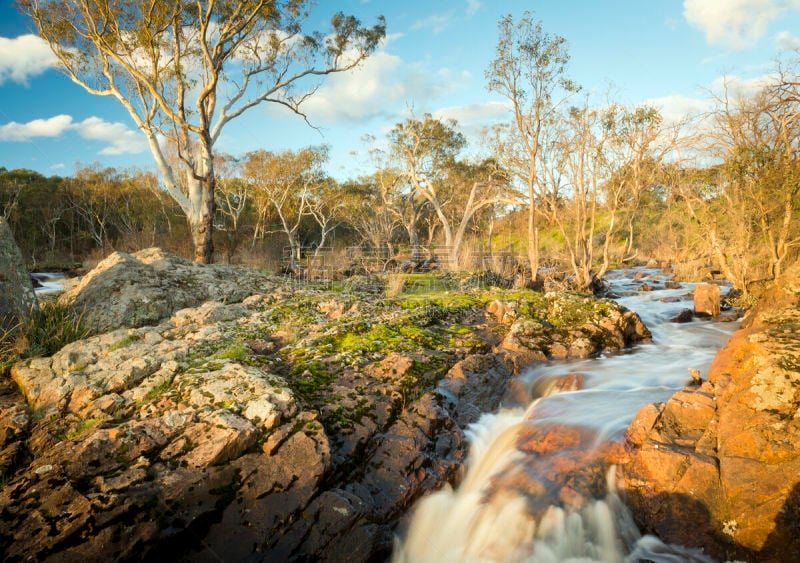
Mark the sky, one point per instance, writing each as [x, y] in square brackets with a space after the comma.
[667, 53]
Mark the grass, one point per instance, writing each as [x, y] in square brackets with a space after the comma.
[44, 333]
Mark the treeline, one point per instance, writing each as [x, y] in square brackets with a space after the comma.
[567, 183]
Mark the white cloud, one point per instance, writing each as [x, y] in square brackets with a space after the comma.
[475, 114]
[52, 127]
[736, 24]
[741, 87]
[472, 7]
[676, 108]
[436, 23]
[119, 139]
[380, 86]
[785, 41]
[24, 57]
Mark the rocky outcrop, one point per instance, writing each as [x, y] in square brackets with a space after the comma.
[300, 423]
[718, 466]
[17, 297]
[133, 290]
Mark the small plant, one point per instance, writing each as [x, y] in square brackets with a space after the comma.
[395, 284]
[44, 333]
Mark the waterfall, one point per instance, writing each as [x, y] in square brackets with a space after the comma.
[511, 505]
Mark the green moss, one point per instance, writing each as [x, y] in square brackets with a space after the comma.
[124, 342]
[83, 426]
[236, 351]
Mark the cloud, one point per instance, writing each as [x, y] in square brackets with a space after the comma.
[380, 86]
[472, 7]
[436, 23]
[24, 57]
[785, 41]
[475, 114]
[737, 86]
[676, 108]
[52, 127]
[118, 138]
[736, 24]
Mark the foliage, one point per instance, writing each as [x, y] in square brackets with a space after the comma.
[182, 84]
[44, 333]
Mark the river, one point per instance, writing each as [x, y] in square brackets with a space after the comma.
[500, 512]
[48, 282]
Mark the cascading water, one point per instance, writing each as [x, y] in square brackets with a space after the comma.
[538, 485]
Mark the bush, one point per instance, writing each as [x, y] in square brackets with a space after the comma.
[43, 334]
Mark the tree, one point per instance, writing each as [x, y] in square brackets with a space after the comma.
[184, 70]
[284, 183]
[371, 212]
[746, 202]
[529, 70]
[427, 150]
[232, 197]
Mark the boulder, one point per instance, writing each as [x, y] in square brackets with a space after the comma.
[133, 290]
[707, 300]
[684, 316]
[17, 297]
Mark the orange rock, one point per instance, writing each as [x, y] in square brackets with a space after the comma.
[707, 299]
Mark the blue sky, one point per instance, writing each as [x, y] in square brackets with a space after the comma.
[665, 52]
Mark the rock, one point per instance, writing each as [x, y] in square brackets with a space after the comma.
[718, 466]
[17, 297]
[148, 286]
[707, 300]
[672, 285]
[645, 287]
[685, 316]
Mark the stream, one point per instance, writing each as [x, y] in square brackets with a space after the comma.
[500, 511]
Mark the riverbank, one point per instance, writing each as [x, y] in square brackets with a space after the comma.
[273, 421]
[717, 466]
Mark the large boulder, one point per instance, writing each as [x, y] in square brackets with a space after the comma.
[133, 290]
[17, 297]
[718, 466]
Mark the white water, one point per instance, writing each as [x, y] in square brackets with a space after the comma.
[483, 520]
[50, 282]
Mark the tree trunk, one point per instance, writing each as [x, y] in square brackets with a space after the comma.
[413, 242]
[202, 223]
[533, 240]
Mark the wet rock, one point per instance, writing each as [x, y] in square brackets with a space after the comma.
[685, 316]
[707, 300]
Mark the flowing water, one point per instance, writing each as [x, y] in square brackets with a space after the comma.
[502, 512]
[48, 282]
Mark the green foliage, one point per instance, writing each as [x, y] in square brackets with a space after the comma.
[44, 333]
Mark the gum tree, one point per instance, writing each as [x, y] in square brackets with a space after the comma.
[530, 71]
[184, 69]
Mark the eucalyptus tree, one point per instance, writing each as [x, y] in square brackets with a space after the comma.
[372, 212]
[530, 71]
[184, 69]
[232, 196]
[746, 203]
[427, 151]
[284, 183]
[638, 143]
